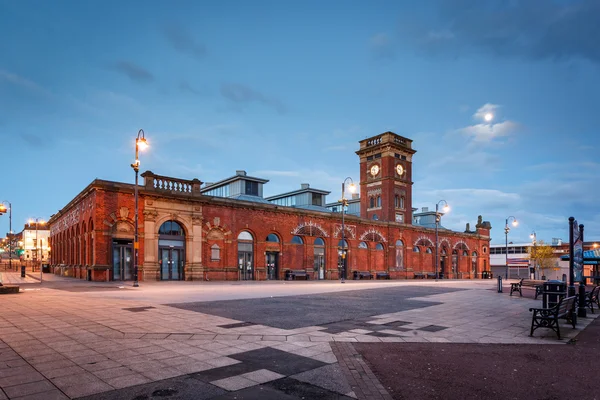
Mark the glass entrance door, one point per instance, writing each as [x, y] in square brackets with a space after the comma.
[122, 262]
[320, 266]
[171, 264]
[272, 265]
[245, 265]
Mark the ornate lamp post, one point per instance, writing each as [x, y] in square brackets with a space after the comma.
[38, 221]
[506, 230]
[10, 232]
[438, 217]
[533, 237]
[344, 201]
[140, 144]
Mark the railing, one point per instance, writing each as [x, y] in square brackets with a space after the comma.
[374, 141]
[158, 183]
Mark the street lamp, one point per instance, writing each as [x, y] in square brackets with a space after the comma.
[140, 144]
[37, 221]
[438, 217]
[351, 189]
[533, 237]
[10, 233]
[506, 230]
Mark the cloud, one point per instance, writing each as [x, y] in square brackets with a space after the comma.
[187, 88]
[486, 109]
[534, 29]
[240, 95]
[270, 172]
[381, 46]
[183, 41]
[25, 83]
[134, 72]
[485, 133]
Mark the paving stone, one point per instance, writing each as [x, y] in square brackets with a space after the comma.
[262, 376]
[29, 388]
[234, 383]
[54, 394]
[278, 361]
[126, 381]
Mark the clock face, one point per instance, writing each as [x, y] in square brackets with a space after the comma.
[399, 169]
[374, 170]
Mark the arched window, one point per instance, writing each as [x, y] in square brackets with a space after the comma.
[215, 252]
[375, 217]
[319, 258]
[273, 238]
[371, 202]
[363, 245]
[378, 246]
[454, 260]
[171, 228]
[396, 201]
[245, 235]
[416, 249]
[465, 253]
[378, 201]
[429, 250]
[399, 254]
[297, 240]
[343, 244]
[474, 262]
[402, 202]
[319, 242]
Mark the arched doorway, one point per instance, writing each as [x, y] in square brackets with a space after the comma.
[171, 251]
[246, 256]
[319, 258]
[272, 256]
[343, 258]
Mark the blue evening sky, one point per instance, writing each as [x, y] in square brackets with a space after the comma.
[286, 89]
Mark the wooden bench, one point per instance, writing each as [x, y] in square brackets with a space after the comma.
[418, 275]
[538, 285]
[591, 298]
[362, 275]
[294, 274]
[431, 275]
[382, 275]
[548, 317]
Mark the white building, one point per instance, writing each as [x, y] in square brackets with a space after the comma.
[521, 266]
[35, 243]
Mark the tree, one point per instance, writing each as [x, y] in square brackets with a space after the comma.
[543, 256]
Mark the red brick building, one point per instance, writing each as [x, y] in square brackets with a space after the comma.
[187, 234]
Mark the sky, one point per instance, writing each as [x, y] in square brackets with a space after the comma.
[286, 89]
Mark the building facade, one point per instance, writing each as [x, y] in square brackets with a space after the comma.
[228, 231]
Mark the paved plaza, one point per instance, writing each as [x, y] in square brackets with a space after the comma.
[224, 340]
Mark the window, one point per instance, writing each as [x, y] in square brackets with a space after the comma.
[400, 218]
[378, 246]
[465, 253]
[215, 253]
[363, 245]
[319, 242]
[297, 240]
[371, 202]
[429, 250]
[416, 249]
[252, 188]
[399, 254]
[171, 228]
[272, 238]
[378, 201]
[402, 202]
[343, 244]
[375, 217]
[316, 199]
[245, 235]
[396, 201]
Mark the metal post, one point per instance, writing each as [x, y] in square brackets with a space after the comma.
[10, 239]
[343, 265]
[135, 219]
[581, 311]
[437, 250]
[506, 229]
[571, 291]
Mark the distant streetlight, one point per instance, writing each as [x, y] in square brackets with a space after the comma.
[10, 233]
[344, 201]
[37, 246]
[533, 237]
[506, 230]
[140, 144]
[438, 217]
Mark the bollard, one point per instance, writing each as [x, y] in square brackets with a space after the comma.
[499, 284]
[22, 271]
[581, 311]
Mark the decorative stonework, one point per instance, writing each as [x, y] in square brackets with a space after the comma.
[461, 245]
[215, 234]
[423, 241]
[349, 231]
[197, 219]
[373, 235]
[150, 215]
[309, 229]
[443, 242]
[217, 221]
[124, 212]
[123, 227]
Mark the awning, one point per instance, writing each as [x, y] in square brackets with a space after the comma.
[590, 257]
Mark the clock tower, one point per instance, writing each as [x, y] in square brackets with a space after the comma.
[386, 178]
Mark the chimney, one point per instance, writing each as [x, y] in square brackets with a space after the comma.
[304, 186]
[240, 172]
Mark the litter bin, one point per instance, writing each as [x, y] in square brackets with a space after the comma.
[288, 275]
[499, 284]
[553, 291]
[22, 271]
[45, 268]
